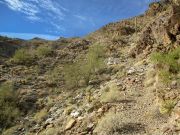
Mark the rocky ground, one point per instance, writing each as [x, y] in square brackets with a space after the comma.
[123, 99]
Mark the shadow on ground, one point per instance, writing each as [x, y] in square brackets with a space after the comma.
[131, 128]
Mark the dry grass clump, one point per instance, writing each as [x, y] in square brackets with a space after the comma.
[168, 64]
[9, 111]
[111, 93]
[167, 106]
[109, 125]
[39, 116]
[49, 131]
[10, 131]
[115, 124]
[150, 78]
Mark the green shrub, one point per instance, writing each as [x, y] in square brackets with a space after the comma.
[95, 61]
[53, 76]
[72, 75]
[95, 57]
[167, 106]
[157, 58]
[9, 111]
[43, 51]
[11, 130]
[167, 63]
[165, 76]
[23, 56]
[84, 69]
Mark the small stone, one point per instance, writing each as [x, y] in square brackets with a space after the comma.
[123, 88]
[131, 71]
[174, 84]
[90, 126]
[110, 61]
[140, 70]
[59, 111]
[50, 126]
[80, 118]
[68, 110]
[119, 83]
[75, 114]
[70, 124]
[53, 109]
[100, 110]
[36, 127]
[49, 121]
[90, 109]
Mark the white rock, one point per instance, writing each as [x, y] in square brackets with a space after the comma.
[59, 111]
[75, 114]
[80, 118]
[131, 71]
[49, 121]
[112, 61]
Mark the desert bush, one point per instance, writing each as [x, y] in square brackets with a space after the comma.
[111, 94]
[23, 56]
[95, 57]
[167, 63]
[39, 116]
[10, 131]
[95, 61]
[72, 75]
[114, 124]
[49, 131]
[8, 99]
[167, 106]
[84, 69]
[53, 76]
[109, 124]
[165, 76]
[43, 51]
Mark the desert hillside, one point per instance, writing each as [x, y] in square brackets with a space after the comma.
[123, 79]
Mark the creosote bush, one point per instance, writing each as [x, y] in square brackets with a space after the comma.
[23, 56]
[54, 76]
[72, 75]
[167, 63]
[84, 69]
[95, 57]
[8, 104]
[27, 55]
[43, 51]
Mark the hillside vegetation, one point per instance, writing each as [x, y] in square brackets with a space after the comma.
[123, 79]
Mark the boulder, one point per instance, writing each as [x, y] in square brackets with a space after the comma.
[70, 124]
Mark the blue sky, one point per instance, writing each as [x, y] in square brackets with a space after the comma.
[52, 19]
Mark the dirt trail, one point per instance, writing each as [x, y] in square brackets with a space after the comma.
[137, 109]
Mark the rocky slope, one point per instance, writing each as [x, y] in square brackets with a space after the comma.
[123, 98]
